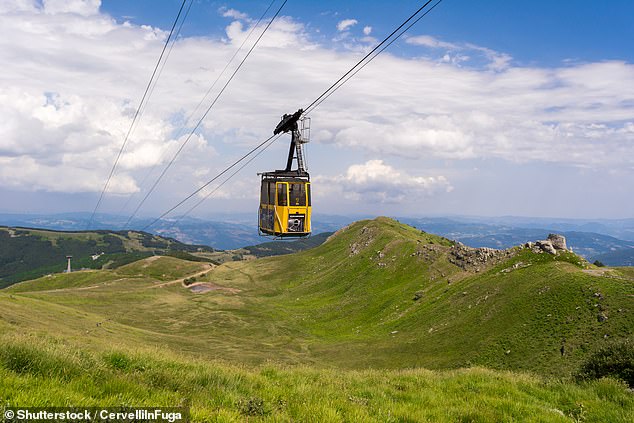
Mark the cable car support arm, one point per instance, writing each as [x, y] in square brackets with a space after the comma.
[289, 124]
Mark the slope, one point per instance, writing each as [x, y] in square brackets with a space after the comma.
[383, 294]
[29, 253]
[376, 294]
[365, 298]
[40, 372]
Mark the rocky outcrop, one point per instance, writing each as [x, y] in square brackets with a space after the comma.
[475, 259]
[558, 241]
[552, 245]
[366, 237]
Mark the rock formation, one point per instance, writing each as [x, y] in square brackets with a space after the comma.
[552, 245]
[469, 258]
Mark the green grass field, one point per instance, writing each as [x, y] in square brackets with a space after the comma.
[343, 332]
[45, 372]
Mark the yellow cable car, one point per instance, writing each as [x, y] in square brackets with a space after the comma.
[285, 203]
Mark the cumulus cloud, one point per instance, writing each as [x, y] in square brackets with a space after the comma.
[367, 30]
[346, 24]
[80, 7]
[233, 13]
[374, 181]
[72, 78]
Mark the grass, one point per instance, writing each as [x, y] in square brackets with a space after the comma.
[350, 304]
[52, 372]
[336, 331]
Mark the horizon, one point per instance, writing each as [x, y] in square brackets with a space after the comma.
[222, 216]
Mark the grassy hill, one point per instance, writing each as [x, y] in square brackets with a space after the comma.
[377, 295]
[30, 253]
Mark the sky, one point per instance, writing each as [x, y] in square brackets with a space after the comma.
[486, 108]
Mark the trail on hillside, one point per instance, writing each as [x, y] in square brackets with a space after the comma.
[198, 287]
[180, 280]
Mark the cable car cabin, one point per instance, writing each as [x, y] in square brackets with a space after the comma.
[285, 205]
[285, 194]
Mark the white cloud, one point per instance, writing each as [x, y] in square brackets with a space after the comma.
[283, 33]
[429, 41]
[18, 6]
[72, 82]
[459, 53]
[367, 30]
[233, 13]
[345, 24]
[374, 181]
[80, 7]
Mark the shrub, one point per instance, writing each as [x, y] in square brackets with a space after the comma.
[118, 360]
[615, 359]
[598, 263]
[253, 406]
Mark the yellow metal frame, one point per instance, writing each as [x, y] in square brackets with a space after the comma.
[281, 213]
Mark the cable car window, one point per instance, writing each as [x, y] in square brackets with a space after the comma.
[271, 193]
[282, 198]
[298, 194]
[308, 194]
[264, 193]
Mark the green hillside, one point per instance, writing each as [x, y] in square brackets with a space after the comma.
[377, 295]
[45, 372]
[30, 253]
[391, 290]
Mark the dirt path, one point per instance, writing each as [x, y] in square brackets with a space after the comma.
[198, 287]
[606, 273]
[182, 280]
[71, 288]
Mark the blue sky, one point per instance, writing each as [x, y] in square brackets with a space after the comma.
[483, 108]
[540, 32]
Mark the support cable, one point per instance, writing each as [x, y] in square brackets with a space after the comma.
[169, 52]
[315, 105]
[349, 74]
[368, 55]
[202, 100]
[205, 114]
[136, 115]
[257, 147]
[227, 180]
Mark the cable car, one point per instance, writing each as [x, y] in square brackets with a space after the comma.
[285, 204]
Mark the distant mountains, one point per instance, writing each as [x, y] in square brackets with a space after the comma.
[610, 241]
[225, 232]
